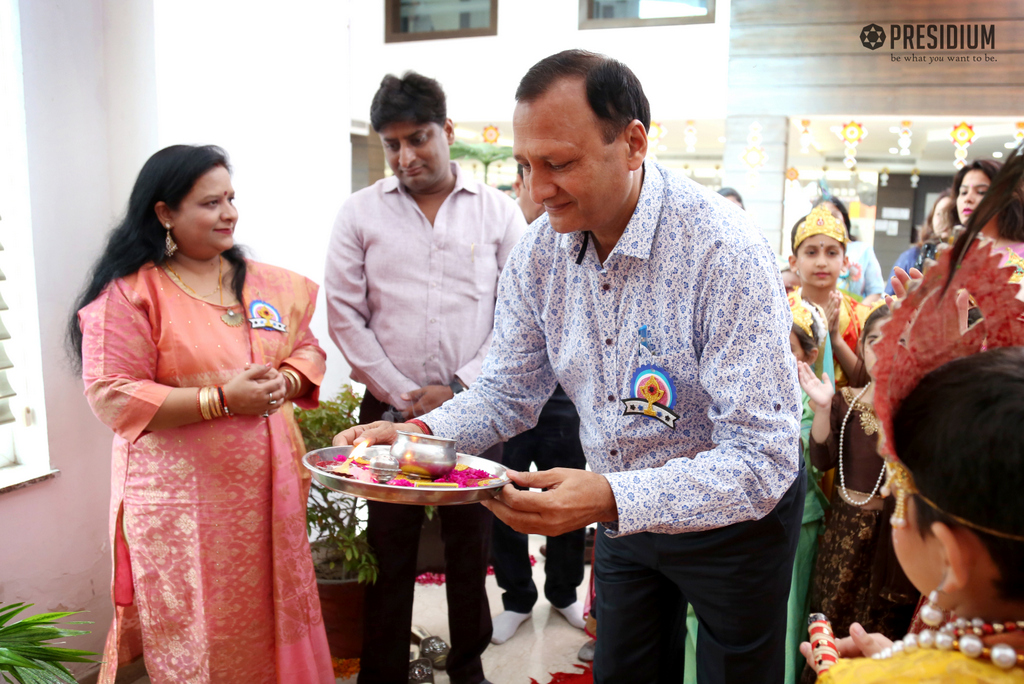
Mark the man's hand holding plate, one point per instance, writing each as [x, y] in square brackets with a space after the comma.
[380, 432]
[572, 499]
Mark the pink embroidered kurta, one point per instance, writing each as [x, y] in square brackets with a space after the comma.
[212, 561]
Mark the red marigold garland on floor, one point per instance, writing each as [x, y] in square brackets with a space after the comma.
[345, 667]
[438, 577]
[584, 676]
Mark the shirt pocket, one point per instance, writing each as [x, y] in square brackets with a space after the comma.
[475, 273]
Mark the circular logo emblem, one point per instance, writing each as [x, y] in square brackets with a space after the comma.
[653, 384]
[872, 36]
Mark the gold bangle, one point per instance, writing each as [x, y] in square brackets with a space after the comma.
[215, 409]
[204, 404]
[210, 411]
[290, 377]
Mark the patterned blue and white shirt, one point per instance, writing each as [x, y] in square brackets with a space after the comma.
[701, 277]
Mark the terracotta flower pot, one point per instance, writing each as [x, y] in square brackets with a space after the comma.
[341, 602]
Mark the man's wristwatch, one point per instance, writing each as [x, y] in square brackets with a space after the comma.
[456, 386]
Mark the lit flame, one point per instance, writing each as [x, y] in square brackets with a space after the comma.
[358, 451]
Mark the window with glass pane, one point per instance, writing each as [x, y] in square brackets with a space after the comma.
[436, 19]
[634, 13]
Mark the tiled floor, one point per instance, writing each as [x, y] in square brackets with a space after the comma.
[544, 643]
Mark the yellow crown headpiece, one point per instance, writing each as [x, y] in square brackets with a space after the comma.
[820, 222]
[810, 318]
[802, 317]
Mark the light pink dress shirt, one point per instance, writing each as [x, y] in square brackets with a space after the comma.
[410, 304]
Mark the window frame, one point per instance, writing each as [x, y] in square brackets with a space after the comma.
[31, 444]
[393, 18]
[587, 23]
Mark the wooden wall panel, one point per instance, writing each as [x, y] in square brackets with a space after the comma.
[840, 38]
[744, 12]
[842, 71]
[804, 57]
[881, 99]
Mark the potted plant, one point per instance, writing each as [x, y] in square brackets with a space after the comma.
[26, 656]
[342, 558]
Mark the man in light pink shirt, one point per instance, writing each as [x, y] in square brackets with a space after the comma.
[412, 275]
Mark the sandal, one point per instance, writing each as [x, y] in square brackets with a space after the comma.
[421, 672]
[433, 647]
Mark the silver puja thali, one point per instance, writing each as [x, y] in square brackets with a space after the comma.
[417, 495]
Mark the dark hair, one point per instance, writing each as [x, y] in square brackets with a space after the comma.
[928, 228]
[860, 376]
[168, 176]
[613, 91]
[796, 227]
[519, 171]
[731, 192]
[838, 204]
[987, 166]
[806, 343]
[1003, 201]
[413, 98]
[958, 432]
[880, 314]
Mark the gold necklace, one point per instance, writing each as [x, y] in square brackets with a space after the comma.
[220, 270]
[230, 317]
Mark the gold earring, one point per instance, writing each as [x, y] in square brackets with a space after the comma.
[170, 246]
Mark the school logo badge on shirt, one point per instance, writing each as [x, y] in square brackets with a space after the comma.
[263, 315]
[653, 394]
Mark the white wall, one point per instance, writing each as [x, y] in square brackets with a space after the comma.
[270, 86]
[682, 68]
[54, 534]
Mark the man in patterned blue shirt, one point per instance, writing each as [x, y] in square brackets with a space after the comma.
[659, 308]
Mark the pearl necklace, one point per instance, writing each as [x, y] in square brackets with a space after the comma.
[963, 636]
[842, 476]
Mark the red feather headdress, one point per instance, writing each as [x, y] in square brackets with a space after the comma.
[926, 332]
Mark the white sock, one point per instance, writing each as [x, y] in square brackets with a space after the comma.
[505, 625]
[574, 614]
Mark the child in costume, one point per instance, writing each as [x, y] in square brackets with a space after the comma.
[807, 339]
[950, 416]
[819, 258]
[856, 576]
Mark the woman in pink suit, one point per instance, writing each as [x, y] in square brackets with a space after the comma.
[192, 355]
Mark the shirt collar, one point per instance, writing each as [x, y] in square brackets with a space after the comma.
[638, 238]
[391, 183]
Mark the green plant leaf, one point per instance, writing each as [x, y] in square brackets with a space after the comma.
[48, 617]
[36, 635]
[12, 610]
[53, 653]
[9, 657]
[25, 654]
